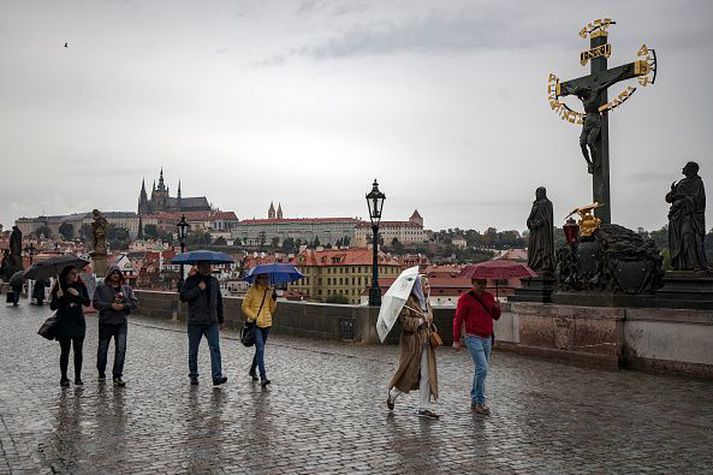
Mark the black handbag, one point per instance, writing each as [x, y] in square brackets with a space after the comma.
[247, 333]
[49, 328]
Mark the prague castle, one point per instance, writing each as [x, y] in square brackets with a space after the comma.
[161, 201]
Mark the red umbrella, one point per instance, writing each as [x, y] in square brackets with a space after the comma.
[499, 269]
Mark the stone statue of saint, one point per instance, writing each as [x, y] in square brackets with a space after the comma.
[686, 221]
[15, 250]
[99, 228]
[541, 246]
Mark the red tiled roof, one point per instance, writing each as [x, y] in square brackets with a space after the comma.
[342, 257]
[386, 224]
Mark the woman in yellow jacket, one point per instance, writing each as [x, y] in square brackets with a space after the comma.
[258, 307]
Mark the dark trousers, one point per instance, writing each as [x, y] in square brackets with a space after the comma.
[261, 335]
[195, 334]
[106, 332]
[64, 344]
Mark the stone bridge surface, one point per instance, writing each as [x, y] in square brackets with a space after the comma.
[325, 412]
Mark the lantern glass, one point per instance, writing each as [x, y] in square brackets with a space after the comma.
[375, 202]
[571, 231]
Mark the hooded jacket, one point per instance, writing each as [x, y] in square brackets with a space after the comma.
[106, 294]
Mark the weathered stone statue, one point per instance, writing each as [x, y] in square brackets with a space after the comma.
[15, 250]
[541, 246]
[99, 254]
[686, 221]
[99, 229]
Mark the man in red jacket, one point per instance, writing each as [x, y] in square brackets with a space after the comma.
[477, 309]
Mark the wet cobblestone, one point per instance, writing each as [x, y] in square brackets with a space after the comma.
[325, 413]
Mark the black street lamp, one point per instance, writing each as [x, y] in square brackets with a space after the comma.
[183, 228]
[375, 202]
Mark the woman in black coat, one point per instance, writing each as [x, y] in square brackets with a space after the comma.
[67, 297]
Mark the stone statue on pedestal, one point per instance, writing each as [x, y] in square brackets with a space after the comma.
[686, 221]
[15, 263]
[99, 253]
[541, 247]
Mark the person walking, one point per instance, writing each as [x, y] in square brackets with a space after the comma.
[38, 291]
[205, 318]
[114, 300]
[68, 296]
[417, 358]
[259, 307]
[476, 310]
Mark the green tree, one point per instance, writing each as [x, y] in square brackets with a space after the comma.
[316, 242]
[66, 230]
[346, 240]
[43, 231]
[275, 243]
[117, 236]
[85, 232]
[338, 299]
[262, 239]
[288, 244]
[198, 238]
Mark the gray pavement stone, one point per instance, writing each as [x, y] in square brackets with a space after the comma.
[325, 412]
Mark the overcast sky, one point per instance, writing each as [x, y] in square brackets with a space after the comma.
[306, 102]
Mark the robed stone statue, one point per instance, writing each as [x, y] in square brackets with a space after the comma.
[15, 250]
[99, 230]
[541, 247]
[686, 221]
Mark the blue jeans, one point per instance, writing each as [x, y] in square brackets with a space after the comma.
[479, 349]
[261, 335]
[106, 332]
[195, 333]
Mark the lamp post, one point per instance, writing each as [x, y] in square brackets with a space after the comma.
[30, 251]
[182, 227]
[375, 202]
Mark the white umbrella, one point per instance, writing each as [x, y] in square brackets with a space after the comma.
[394, 300]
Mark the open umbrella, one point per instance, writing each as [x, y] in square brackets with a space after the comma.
[194, 257]
[53, 266]
[279, 273]
[394, 300]
[498, 269]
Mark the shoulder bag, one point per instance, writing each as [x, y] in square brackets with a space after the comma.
[49, 328]
[247, 333]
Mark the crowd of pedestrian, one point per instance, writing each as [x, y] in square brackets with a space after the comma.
[114, 300]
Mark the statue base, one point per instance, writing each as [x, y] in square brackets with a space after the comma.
[534, 289]
[686, 289]
[99, 263]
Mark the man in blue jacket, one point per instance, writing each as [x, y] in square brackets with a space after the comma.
[114, 300]
[205, 318]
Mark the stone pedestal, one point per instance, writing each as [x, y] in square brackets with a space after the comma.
[99, 263]
[686, 289]
[534, 289]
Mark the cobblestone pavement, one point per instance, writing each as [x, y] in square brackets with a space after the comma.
[325, 412]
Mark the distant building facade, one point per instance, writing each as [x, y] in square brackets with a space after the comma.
[406, 232]
[123, 219]
[345, 272]
[255, 232]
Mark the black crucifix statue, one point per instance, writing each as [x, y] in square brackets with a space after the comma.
[592, 91]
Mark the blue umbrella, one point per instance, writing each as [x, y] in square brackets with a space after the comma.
[194, 257]
[279, 273]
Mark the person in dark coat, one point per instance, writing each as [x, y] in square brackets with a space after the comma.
[38, 291]
[68, 296]
[205, 318]
[114, 300]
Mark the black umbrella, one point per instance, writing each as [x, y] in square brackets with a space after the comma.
[53, 266]
[17, 279]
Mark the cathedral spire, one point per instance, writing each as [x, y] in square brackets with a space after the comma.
[279, 211]
[271, 211]
[161, 182]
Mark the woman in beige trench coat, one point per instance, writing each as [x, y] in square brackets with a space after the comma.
[417, 360]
